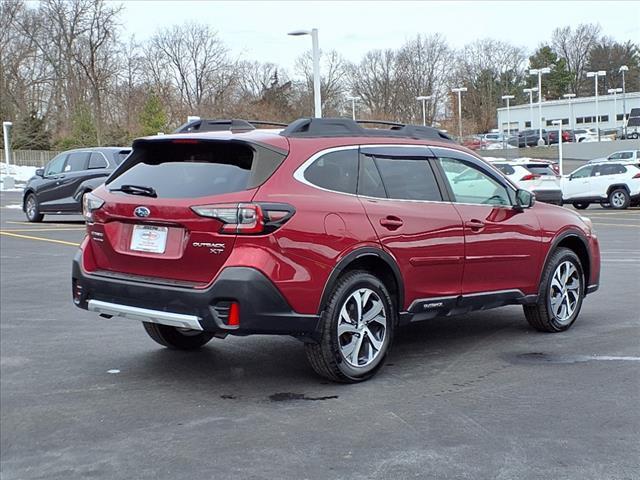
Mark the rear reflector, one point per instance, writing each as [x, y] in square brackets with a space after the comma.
[234, 315]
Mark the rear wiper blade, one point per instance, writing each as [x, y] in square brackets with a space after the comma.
[136, 190]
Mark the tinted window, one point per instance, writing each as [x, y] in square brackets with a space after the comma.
[504, 168]
[370, 181]
[541, 170]
[96, 160]
[337, 171]
[76, 162]
[626, 155]
[56, 165]
[582, 172]
[120, 156]
[188, 170]
[473, 185]
[408, 179]
[609, 169]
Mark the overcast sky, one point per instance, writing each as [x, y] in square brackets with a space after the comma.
[257, 30]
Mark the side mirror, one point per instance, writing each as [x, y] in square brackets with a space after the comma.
[525, 199]
[40, 172]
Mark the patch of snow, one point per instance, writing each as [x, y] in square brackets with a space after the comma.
[16, 206]
[20, 173]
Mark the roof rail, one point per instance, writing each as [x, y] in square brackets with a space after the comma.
[219, 125]
[344, 127]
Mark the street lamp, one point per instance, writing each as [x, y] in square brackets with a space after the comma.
[595, 75]
[540, 72]
[316, 67]
[614, 92]
[423, 99]
[623, 69]
[459, 91]
[530, 92]
[569, 96]
[353, 106]
[507, 98]
[558, 123]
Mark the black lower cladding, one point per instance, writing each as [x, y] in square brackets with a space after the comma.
[263, 309]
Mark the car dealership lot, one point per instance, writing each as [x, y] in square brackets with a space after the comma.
[476, 396]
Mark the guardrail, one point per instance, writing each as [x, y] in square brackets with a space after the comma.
[30, 158]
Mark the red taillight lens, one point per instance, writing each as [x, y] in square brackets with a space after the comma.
[247, 218]
[531, 176]
[637, 175]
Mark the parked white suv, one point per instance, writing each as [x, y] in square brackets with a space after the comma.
[586, 134]
[616, 184]
[538, 177]
[631, 156]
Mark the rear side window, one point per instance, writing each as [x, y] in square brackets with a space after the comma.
[614, 169]
[96, 160]
[77, 162]
[408, 179]
[185, 170]
[337, 171]
[504, 168]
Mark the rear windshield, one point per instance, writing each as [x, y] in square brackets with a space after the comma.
[504, 168]
[179, 170]
[541, 170]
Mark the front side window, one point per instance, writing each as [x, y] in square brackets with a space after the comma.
[337, 171]
[472, 185]
[582, 172]
[56, 165]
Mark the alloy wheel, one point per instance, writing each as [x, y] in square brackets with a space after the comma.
[362, 327]
[565, 292]
[618, 199]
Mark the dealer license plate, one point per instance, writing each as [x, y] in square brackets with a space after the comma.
[149, 238]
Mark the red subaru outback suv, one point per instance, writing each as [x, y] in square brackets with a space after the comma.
[327, 231]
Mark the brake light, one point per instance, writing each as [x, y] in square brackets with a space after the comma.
[637, 175]
[185, 140]
[247, 218]
[531, 176]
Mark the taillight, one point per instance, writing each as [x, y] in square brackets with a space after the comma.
[531, 176]
[90, 203]
[247, 218]
[637, 175]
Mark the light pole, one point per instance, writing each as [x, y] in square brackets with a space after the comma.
[423, 99]
[614, 92]
[569, 96]
[595, 75]
[559, 125]
[353, 106]
[540, 72]
[315, 52]
[507, 98]
[623, 69]
[530, 92]
[459, 91]
[7, 180]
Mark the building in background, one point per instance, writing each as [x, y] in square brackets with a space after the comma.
[579, 112]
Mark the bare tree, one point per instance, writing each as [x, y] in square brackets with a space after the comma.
[374, 81]
[333, 76]
[574, 46]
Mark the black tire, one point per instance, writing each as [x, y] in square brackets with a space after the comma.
[326, 357]
[581, 205]
[605, 205]
[619, 199]
[33, 213]
[175, 338]
[541, 316]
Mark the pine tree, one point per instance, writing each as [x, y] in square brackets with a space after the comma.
[153, 118]
[30, 133]
[556, 83]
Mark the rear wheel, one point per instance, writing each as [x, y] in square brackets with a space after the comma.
[177, 338]
[32, 209]
[561, 293]
[356, 330]
[580, 205]
[619, 199]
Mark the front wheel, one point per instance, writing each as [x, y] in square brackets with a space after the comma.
[177, 338]
[32, 209]
[561, 293]
[356, 327]
[619, 199]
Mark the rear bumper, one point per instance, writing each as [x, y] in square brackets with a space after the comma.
[549, 196]
[263, 309]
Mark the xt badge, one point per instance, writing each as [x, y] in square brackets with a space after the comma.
[215, 248]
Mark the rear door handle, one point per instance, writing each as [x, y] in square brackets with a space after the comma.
[474, 224]
[391, 222]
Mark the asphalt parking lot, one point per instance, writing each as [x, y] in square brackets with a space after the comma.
[480, 396]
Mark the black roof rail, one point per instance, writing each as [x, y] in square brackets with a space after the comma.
[220, 125]
[344, 127]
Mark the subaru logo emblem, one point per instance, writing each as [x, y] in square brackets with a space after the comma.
[141, 212]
